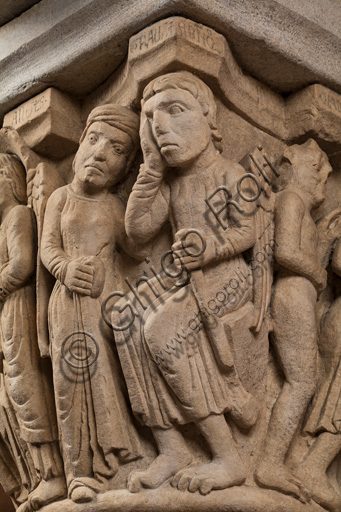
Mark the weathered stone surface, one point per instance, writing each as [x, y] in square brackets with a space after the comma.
[175, 276]
[49, 123]
[230, 500]
[10, 10]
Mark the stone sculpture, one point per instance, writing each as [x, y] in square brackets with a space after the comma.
[24, 381]
[83, 226]
[324, 419]
[198, 388]
[300, 277]
[218, 372]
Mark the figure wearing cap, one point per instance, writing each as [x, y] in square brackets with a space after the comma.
[83, 227]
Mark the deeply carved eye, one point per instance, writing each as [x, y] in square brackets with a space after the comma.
[119, 149]
[92, 138]
[175, 109]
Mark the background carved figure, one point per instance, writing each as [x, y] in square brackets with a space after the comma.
[25, 383]
[83, 226]
[324, 419]
[181, 146]
[300, 277]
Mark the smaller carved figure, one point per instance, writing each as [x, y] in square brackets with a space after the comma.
[324, 420]
[25, 381]
[300, 277]
[83, 228]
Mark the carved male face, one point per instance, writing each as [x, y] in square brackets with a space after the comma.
[312, 178]
[179, 126]
[102, 155]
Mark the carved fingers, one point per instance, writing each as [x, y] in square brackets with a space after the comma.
[191, 250]
[79, 277]
[11, 142]
[85, 276]
[151, 152]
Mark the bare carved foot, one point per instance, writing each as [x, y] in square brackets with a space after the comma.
[47, 492]
[160, 470]
[319, 486]
[279, 478]
[218, 474]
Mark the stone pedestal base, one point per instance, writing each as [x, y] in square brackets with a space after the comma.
[236, 499]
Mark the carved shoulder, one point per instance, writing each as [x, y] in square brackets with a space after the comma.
[20, 215]
[289, 201]
[233, 171]
[57, 199]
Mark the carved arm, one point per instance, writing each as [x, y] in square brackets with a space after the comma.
[21, 251]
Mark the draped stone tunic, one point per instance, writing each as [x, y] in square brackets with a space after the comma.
[93, 416]
[173, 372]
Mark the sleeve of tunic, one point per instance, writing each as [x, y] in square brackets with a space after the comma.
[148, 206]
[20, 236]
[52, 253]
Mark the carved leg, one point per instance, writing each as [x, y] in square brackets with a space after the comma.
[173, 455]
[226, 468]
[295, 340]
[312, 471]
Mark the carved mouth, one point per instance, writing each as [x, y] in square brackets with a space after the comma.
[92, 166]
[165, 145]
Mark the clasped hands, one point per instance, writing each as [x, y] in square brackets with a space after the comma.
[85, 276]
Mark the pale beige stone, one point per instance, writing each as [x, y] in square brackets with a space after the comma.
[49, 123]
[183, 278]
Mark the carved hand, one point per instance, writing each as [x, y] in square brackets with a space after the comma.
[79, 277]
[11, 142]
[329, 231]
[151, 154]
[193, 251]
[330, 225]
[85, 276]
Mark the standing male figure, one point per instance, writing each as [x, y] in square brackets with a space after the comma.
[182, 167]
[300, 278]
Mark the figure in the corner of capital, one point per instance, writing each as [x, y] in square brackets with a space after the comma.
[182, 164]
[30, 461]
[300, 278]
[322, 427]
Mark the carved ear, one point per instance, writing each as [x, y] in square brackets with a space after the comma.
[285, 169]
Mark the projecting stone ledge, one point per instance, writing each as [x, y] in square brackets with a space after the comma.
[166, 499]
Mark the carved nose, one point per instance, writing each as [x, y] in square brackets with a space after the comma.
[100, 150]
[160, 123]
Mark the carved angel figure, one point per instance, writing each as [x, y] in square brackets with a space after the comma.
[182, 167]
[300, 277]
[27, 389]
[83, 227]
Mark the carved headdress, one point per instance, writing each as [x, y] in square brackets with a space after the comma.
[117, 116]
